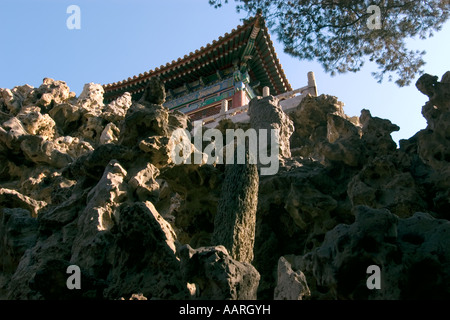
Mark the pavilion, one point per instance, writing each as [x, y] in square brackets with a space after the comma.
[233, 69]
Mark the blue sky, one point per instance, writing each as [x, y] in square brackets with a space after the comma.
[119, 39]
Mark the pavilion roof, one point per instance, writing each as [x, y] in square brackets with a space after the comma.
[248, 43]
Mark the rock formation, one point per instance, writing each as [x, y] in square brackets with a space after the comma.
[266, 113]
[234, 223]
[92, 184]
[216, 275]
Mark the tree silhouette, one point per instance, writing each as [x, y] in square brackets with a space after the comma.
[343, 34]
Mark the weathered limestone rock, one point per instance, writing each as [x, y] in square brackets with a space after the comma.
[346, 198]
[404, 249]
[10, 172]
[91, 99]
[446, 77]
[49, 93]
[142, 122]
[426, 84]
[37, 124]
[50, 281]
[143, 257]
[45, 183]
[432, 144]
[99, 216]
[117, 110]
[376, 133]
[12, 133]
[433, 141]
[33, 135]
[344, 142]
[438, 105]
[39, 151]
[156, 141]
[291, 285]
[339, 127]
[18, 232]
[14, 99]
[169, 203]
[216, 275]
[382, 183]
[266, 113]
[199, 187]
[234, 224]
[74, 147]
[296, 208]
[41, 273]
[144, 183]
[158, 148]
[306, 204]
[52, 92]
[92, 128]
[67, 117]
[93, 163]
[13, 199]
[154, 92]
[310, 122]
[110, 134]
[86, 114]
[64, 213]
[438, 92]
[178, 120]
[324, 133]
[105, 197]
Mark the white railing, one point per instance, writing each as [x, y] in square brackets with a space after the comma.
[288, 100]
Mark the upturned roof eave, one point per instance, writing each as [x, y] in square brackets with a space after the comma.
[199, 53]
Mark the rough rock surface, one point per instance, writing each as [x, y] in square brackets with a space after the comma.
[78, 187]
[412, 253]
[92, 184]
[117, 110]
[266, 113]
[217, 276]
[234, 224]
[291, 285]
